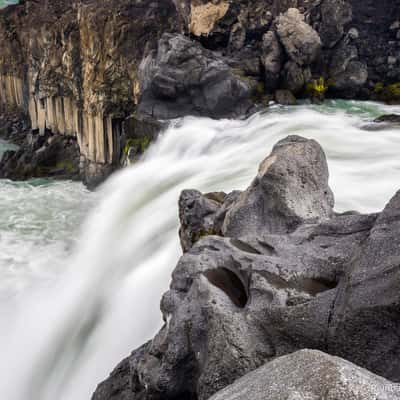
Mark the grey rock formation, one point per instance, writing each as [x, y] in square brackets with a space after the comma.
[367, 308]
[272, 60]
[310, 375]
[197, 215]
[335, 14]
[285, 97]
[184, 78]
[301, 42]
[347, 74]
[295, 77]
[291, 187]
[389, 119]
[278, 272]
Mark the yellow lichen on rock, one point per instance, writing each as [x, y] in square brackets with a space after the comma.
[204, 16]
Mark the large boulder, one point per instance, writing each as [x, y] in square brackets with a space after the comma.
[310, 375]
[291, 187]
[301, 42]
[347, 73]
[184, 78]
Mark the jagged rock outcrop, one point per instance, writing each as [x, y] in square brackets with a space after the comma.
[267, 272]
[301, 42]
[184, 78]
[310, 375]
[291, 187]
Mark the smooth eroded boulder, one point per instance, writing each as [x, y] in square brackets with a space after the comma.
[301, 42]
[310, 375]
[290, 188]
[184, 78]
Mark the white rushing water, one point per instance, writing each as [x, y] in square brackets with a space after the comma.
[64, 328]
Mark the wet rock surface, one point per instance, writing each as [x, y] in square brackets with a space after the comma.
[183, 78]
[37, 155]
[265, 273]
[388, 119]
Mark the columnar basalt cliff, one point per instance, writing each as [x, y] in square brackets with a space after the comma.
[72, 67]
[268, 272]
[80, 69]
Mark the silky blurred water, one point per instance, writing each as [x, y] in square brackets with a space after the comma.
[78, 297]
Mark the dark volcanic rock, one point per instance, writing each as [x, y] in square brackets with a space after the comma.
[285, 97]
[310, 375]
[268, 272]
[335, 15]
[184, 78]
[348, 74]
[301, 42]
[197, 216]
[38, 155]
[291, 187]
[272, 59]
[389, 119]
[366, 313]
[72, 67]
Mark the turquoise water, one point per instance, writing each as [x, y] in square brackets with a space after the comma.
[39, 221]
[4, 146]
[5, 3]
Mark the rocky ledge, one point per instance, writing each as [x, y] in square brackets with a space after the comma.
[103, 72]
[267, 273]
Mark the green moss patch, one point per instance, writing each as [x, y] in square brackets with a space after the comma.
[140, 143]
[317, 88]
[388, 93]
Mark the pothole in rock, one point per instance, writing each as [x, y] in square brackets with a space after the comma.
[230, 283]
[309, 286]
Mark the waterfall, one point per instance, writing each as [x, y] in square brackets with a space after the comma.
[61, 337]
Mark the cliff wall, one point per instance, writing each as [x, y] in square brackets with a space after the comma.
[72, 67]
[82, 68]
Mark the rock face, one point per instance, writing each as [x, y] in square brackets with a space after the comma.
[81, 68]
[301, 42]
[268, 272]
[310, 375]
[291, 187]
[73, 66]
[184, 78]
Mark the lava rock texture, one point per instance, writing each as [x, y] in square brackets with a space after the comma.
[265, 273]
[82, 69]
